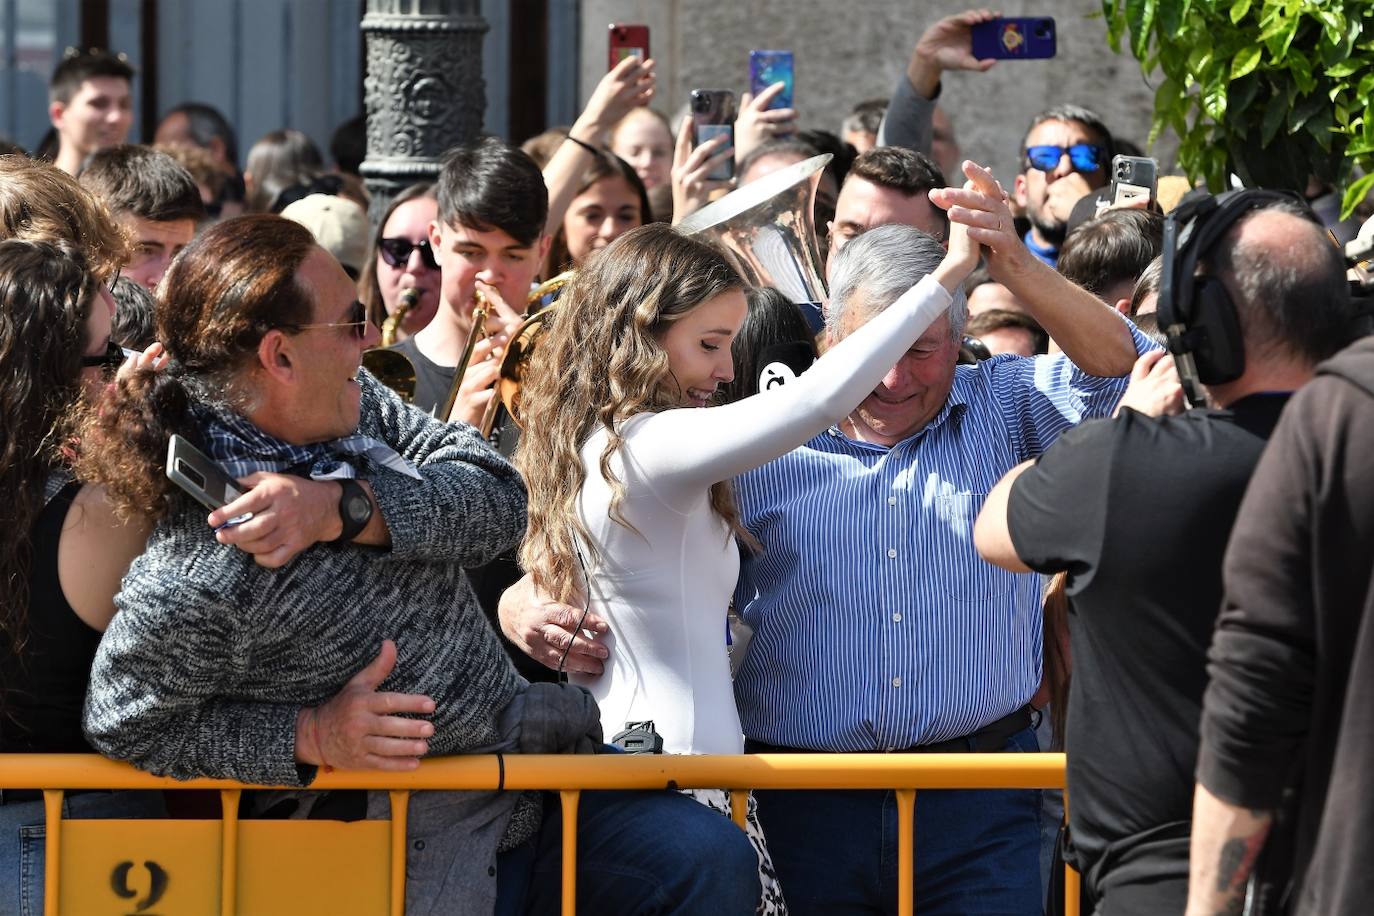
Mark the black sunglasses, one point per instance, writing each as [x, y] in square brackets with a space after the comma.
[113, 356]
[396, 252]
[358, 320]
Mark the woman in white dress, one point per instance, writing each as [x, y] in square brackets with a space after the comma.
[629, 480]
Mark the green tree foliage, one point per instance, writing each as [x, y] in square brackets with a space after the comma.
[1273, 90]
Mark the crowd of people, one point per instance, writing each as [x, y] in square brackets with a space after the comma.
[1054, 474]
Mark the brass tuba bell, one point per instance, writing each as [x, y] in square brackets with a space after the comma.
[767, 230]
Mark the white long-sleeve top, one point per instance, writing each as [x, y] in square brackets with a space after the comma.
[665, 586]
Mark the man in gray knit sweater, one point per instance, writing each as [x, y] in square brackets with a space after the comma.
[323, 617]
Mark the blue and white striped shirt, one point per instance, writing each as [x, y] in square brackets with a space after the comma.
[876, 624]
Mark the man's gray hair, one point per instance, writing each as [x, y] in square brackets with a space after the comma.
[873, 270]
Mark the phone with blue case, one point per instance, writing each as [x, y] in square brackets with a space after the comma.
[1014, 38]
[767, 68]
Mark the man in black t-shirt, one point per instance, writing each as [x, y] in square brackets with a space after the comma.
[1138, 510]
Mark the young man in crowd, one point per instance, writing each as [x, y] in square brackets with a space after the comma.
[153, 198]
[1107, 254]
[489, 238]
[90, 104]
[889, 185]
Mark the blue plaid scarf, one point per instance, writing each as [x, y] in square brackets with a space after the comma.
[241, 448]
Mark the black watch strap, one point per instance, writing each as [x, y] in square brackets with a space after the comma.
[355, 509]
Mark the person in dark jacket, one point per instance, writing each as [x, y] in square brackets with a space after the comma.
[1292, 668]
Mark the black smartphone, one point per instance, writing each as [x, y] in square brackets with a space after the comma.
[713, 114]
[1133, 177]
[1014, 38]
[190, 469]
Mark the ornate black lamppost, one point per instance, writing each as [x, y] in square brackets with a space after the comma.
[423, 90]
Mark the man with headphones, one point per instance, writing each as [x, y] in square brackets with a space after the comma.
[1138, 510]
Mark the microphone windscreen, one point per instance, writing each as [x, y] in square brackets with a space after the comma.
[783, 362]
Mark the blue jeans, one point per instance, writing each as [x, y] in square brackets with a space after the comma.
[637, 853]
[975, 851]
[23, 831]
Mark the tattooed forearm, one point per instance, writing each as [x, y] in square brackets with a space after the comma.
[1234, 864]
[1227, 840]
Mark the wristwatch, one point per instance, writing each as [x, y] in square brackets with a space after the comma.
[355, 509]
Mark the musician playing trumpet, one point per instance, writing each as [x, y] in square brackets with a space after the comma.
[488, 239]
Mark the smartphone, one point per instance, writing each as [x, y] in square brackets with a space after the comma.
[1014, 38]
[713, 114]
[767, 68]
[188, 468]
[1133, 177]
[627, 41]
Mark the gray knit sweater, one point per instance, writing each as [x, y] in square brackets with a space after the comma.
[211, 656]
[204, 668]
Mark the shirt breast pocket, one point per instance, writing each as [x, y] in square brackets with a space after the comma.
[966, 575]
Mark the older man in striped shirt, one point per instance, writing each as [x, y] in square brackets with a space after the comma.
[877, 627]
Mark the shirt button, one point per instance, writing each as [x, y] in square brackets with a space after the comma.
[892, 553]
[897, 617]
[896, 682]
[892, 500]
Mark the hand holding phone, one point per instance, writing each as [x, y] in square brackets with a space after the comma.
[1133, 178]
[627, 41]
[767, 68]
[189, 468]
[1013, 38]
[713, 115]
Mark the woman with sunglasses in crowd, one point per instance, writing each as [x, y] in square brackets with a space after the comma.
[402, 259]
[64, 551]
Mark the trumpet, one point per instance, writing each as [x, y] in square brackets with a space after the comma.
[506, 398]
[481, 310]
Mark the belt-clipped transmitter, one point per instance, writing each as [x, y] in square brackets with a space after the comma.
[639, 738]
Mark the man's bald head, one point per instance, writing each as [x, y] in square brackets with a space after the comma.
[1287, 282]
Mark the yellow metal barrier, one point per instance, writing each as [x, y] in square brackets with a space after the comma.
[305, 867]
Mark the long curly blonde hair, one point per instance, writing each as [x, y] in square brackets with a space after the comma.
[599, 363]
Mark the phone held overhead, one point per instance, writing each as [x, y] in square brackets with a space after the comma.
[769, 67]
[713, 114]
[626, 41]
[1014, 38]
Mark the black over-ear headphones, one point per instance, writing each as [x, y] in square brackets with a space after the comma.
[1196, 311]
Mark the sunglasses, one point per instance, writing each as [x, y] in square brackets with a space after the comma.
[1085, 157]
[358, 320]
[113, 356]
[396, 252]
